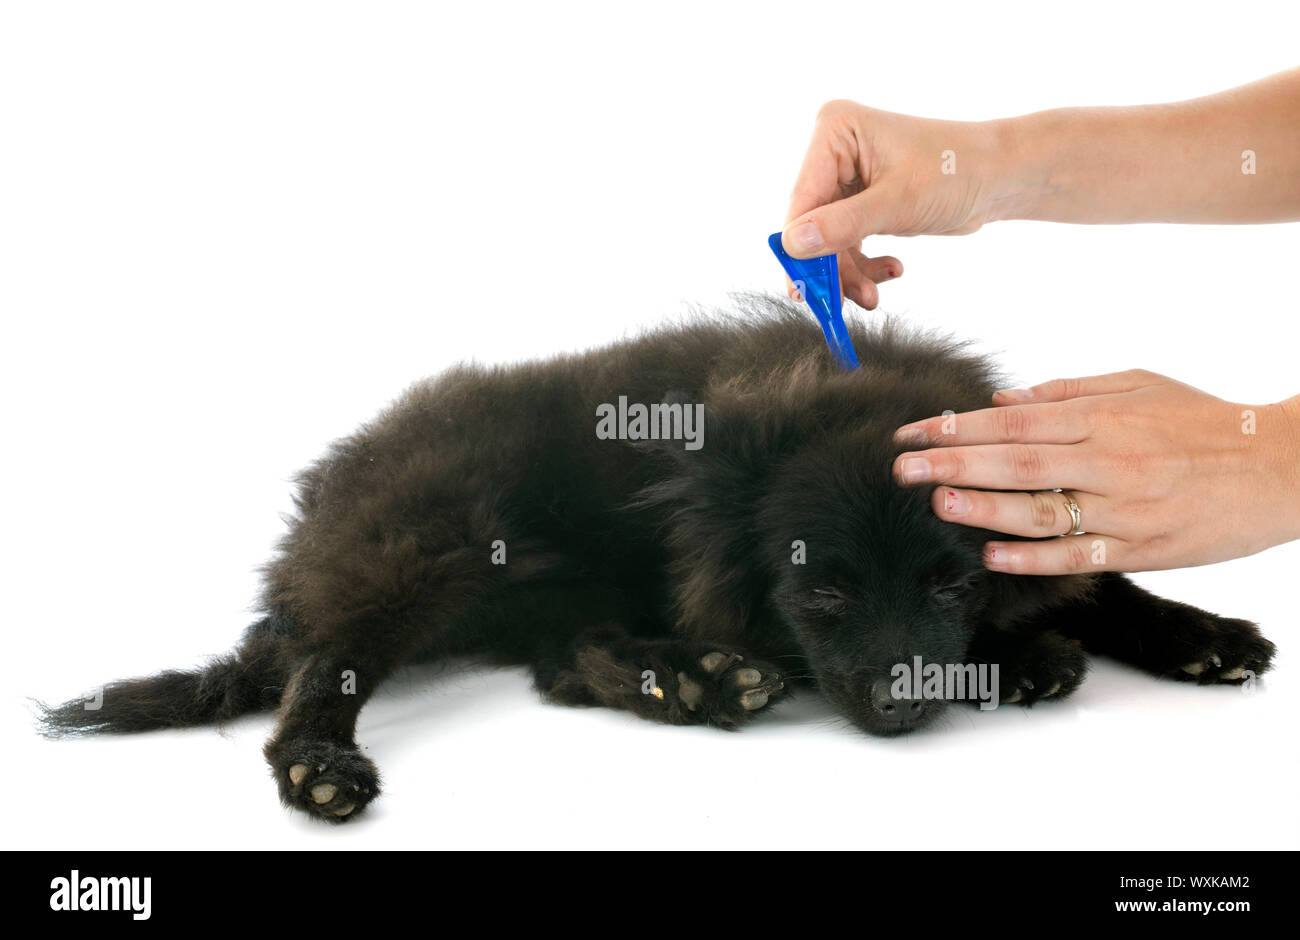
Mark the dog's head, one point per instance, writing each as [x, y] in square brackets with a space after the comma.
[791, 534]
[871, 586]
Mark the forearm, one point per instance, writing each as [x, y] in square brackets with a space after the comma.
[1233, 157]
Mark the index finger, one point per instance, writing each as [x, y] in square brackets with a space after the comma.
[817, 185]
[830, 163]
[1086, 387]
[1049, 423]
[818, 182]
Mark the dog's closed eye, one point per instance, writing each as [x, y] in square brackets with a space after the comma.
[951, 592]
[829, 600]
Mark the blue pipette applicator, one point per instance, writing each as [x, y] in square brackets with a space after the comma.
[818, 282]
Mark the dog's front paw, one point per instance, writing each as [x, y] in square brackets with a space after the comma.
[1051, 682]
[725, 690]
[1046, 667]
[327, 780]
[1221, 650]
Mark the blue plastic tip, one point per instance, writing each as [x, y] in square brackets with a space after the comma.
[818, 282]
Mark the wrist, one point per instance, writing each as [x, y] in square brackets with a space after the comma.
[1021, 175]
[1282, 424]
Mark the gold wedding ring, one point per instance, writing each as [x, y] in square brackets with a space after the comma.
[1072, 507]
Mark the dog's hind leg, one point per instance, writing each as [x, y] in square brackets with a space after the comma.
[318, 766]
[367, 608]
[667, 680]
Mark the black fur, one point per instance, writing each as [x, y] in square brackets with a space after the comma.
[647, 576]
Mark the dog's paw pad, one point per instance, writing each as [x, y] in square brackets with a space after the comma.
[1048, 668]
[1027, 691]
[1216, 650]
[719, 662]
[1198, 668]
[325, 779]
[727, 691]
[690, 692]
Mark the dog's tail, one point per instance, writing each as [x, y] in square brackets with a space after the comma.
[249, 679]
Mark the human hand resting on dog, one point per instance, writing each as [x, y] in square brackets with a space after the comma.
[870, 172]
[1162, 475]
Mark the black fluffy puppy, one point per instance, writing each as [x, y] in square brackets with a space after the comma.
[688, 581]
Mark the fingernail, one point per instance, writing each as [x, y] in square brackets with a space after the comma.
[955, 504]
[994, 557]
[805, 238]
[910, 436]
[1017, 394]
[914, 470]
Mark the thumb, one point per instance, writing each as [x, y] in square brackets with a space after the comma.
[840, 225]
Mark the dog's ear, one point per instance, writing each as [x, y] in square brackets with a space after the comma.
[712, 496]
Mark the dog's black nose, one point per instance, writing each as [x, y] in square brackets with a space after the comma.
[894, 709]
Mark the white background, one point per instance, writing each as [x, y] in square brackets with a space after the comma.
[229, 232]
